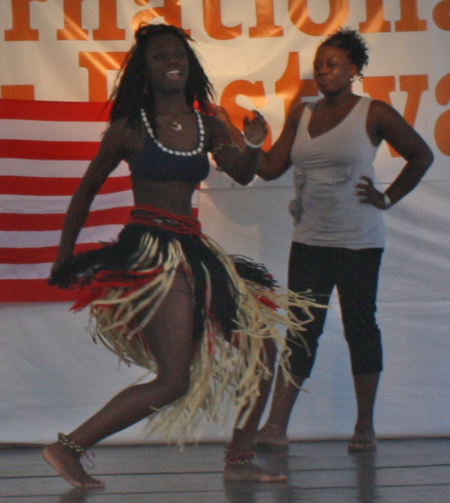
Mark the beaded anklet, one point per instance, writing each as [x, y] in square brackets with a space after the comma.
[62, 439]
[85, 455]
[242, 459]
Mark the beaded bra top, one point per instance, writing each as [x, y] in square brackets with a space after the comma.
[156, 162]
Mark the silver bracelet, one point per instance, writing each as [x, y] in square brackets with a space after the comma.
[387, 201]
[252, 145]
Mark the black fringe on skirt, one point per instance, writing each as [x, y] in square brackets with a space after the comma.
[119, 256]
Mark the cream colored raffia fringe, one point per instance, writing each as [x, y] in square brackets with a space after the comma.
[225, 376]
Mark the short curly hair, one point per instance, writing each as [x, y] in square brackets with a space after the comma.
[352, 42]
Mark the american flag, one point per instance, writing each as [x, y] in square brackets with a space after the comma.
[45, 148]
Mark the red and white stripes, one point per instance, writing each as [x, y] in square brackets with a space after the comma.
[45, 148]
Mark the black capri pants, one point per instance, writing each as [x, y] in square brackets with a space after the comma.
[355, 275]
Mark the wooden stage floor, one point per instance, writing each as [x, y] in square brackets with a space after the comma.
[401, 471]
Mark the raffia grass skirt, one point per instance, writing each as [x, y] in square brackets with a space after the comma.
[237, 307]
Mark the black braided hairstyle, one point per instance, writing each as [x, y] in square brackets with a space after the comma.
[131, 93]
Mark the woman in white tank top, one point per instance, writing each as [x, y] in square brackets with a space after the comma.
[339, 232]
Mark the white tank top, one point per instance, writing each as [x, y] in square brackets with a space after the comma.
[326, 210]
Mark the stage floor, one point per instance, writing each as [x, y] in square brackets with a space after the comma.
[401, 471]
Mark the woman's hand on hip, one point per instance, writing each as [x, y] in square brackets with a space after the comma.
[368, 194]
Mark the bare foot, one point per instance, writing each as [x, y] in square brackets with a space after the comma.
[271, 436]
[67, 463]
[250, 472]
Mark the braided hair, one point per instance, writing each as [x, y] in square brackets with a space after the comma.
[132, 93]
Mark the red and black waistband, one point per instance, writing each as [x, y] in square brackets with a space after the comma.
[148, 215]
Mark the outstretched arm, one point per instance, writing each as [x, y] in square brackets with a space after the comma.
[278, 160]
[107, 159]
[274, 163]
[385, 123]
[237, 155]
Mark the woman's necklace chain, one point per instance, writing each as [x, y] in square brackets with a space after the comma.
[176, 126]
[185, 153]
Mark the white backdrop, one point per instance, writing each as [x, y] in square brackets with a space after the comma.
[52, 376]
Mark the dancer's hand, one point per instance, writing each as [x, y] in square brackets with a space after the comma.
[255, 130]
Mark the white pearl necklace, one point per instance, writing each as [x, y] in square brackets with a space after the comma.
[185, 153]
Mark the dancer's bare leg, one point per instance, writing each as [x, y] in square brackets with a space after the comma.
[274, 432]
[366, 386]
[241, 444]
[170, 339]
